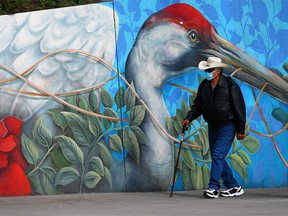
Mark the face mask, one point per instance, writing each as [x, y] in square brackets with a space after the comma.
[209, 76]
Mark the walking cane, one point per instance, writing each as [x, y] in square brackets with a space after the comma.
[178, 156]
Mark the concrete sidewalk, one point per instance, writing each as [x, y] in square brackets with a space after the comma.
[254, 202]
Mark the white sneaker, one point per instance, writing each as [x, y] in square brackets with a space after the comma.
[211, 193]
[235, 191]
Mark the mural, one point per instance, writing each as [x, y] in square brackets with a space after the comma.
[93, 96]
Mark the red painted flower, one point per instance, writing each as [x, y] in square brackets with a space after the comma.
[13, 181]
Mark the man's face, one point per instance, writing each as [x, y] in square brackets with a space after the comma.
[213, 72]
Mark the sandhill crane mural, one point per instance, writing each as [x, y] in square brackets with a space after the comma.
[86, 108]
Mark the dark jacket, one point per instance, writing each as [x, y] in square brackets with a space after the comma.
[220, 106]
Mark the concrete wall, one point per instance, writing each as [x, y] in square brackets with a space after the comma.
[71, 124]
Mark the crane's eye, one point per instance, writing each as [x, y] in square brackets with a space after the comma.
[193, 36]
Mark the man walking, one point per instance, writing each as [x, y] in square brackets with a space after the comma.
[220, 101]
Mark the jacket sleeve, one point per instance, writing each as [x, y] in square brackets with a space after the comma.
[238, 108]
[196, 108]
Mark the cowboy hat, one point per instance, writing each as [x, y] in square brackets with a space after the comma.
[212, 62]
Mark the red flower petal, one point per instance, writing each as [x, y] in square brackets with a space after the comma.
[7, 144]
[16, 155]
[3, 160]
[3, 129]
[13, 125]
[14, 182]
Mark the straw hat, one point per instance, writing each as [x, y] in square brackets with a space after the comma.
[212, 62]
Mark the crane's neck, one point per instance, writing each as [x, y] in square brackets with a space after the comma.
[150, 89]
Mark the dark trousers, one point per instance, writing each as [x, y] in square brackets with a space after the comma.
[220, 142]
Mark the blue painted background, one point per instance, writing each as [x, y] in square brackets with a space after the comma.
[260, 28]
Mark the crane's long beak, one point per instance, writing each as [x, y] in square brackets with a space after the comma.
[251, 71]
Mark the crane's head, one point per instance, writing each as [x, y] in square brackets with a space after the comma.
[181, 37]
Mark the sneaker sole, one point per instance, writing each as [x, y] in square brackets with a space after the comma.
[210, 197]
[232, 195]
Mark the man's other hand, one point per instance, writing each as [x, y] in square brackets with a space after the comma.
[240, 136]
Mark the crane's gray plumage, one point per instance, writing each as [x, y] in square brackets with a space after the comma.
[26, 37]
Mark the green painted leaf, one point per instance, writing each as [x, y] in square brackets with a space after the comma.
[58, 158]
[281, 115]
[205, 175]
[188, 159]
[204, 141]
[200, 78]
[120, 133]
[82, 103]
[67, 175]
[105, 155]
[111, 113]
[97, 165]
[41, 134]
[170, 126]
[108, 177]
[179, 117]
[140, 135]
[131, 145]
[79, 128]
[35, 183]
[119, 97]
[115, 143]
[207, 157]
[245, 157]
[91, 179]
[70, 149]
[58, 118]
[285, 66]
[94, 102]
[251, 143]
[107, 123]
[191, 99]
[197, 139]
[246, 132]
[234, 144]
[137, 114]
[177, 127]
[239, 166]
[72, 100]
[106, 98]
[197, 178]
[29, 149]
[47, 180]
[129, 98]
[197, 152]
[186, 177]
[49, 172]
[185, 108]
[95, 126]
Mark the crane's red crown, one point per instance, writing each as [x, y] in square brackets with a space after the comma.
[184, 15]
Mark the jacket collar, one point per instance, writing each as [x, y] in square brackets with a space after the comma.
[222, 81]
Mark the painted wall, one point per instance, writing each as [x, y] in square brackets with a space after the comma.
[71, 124]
